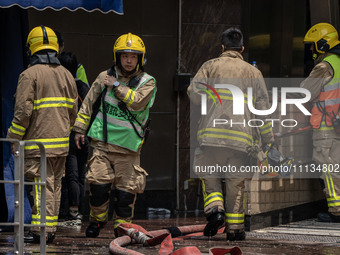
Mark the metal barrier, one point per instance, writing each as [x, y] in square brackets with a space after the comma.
[19, 182]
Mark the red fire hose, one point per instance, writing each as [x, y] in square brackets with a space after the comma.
[131, 233]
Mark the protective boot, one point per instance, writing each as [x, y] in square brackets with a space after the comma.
[236, 235]
[215, 221]
[93, 229]
[31, 237]
[328, 217]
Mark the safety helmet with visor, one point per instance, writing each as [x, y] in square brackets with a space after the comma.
[324, 37]
[129, 43]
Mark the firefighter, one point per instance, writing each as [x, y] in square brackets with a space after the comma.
[227, 144]
[45, 110]
[324, 84]
[118, 132]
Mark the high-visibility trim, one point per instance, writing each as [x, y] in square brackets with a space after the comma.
[227, 95]
[37, 194]
[130, 96]
[226, 134]
[49, 143]
[330, 184]
[127, 96]
[17, 129]
[266, 128]
[121, 123]
[333, 201]
[234, 218]
[51, 221]
[100, 217]
[331, 86]
[323, 126]
[111, 99]
[53, 102]
[83, 118]
[334, 101]
[203, 189]
[133, 93]
[212, 197]
[116, 222]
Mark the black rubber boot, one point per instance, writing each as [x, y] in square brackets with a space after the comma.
[30, 237]
[93, 229]
[50, 237]
[236, 235]
[215, 221]
[328, 217]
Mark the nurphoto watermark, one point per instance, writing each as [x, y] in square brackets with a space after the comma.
[237, 114]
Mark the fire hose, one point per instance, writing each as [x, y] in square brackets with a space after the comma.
[129, 233]
[293, 132]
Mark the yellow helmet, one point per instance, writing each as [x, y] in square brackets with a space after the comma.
[323, 35]
[129, 43]
[42, 38]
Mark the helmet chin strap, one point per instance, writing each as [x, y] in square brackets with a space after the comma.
[315, 56]
[127, 72]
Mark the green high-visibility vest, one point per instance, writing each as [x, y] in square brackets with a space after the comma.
[120, 131]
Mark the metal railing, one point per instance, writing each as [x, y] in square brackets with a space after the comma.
[19, 188]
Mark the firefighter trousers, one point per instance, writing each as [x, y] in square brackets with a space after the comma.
[326, 156]
[212, 184]
[55, 167]
[119, 172]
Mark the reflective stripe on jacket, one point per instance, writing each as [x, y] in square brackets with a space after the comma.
[327, 106]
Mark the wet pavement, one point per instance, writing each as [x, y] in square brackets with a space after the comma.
[305, 237]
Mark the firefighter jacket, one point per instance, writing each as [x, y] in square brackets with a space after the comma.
[45, 109]
[235, 133]
[121, 135]
[323, 83]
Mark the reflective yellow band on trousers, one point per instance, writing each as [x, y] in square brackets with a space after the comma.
[333, 201]
[234, 217]
[212, 197]
[100, 217]
[116, 222]
[51, 221]
[330, 184]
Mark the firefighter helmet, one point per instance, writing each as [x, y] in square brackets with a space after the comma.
[323, 35]
[42, 38]
[129, 43]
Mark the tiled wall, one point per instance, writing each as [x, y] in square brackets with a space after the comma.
[269, 195]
